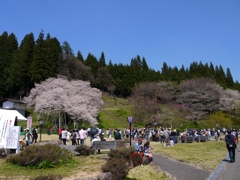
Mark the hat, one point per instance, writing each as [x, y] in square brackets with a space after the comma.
[26, 129]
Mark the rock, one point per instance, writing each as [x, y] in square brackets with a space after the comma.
[105, 176]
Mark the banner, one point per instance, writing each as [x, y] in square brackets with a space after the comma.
[4, 124]
[29, 122]
[13, 136]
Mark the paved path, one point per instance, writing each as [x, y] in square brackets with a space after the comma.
[181, 171]
[184, 171]
[227, 170]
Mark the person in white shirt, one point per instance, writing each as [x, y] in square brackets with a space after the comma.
[64, 136]
[82, 135]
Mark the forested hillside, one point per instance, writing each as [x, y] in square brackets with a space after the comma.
[164, 96]
[36, 59]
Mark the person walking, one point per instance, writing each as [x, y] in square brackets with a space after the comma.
[74, 137]
[34, 134]
[64, 135]
[49, 130]
[27, 137]
[82, 135]
[231, 145]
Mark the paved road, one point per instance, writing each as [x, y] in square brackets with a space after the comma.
[184, 171]
[181, 171]
[227, 170]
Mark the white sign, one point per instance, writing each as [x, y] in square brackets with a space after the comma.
[29, 122]
[4, 124]
[13, 135]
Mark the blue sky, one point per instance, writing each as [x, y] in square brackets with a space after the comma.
[177, 32]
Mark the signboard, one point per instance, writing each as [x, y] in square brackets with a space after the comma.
[29, 122]
[13, 135]
[4, 124]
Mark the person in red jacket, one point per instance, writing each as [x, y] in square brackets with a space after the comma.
[60, 133]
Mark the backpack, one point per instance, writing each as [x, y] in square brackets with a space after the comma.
[161, 133]
[34, 132]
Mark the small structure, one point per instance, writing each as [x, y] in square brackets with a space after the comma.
[14, 104]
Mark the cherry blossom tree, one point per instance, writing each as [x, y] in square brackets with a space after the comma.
[59, 96]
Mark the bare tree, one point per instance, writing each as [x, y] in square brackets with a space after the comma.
[200, 96]
[146, 98]
[58, 96]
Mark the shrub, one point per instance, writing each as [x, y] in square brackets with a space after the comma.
[3, 153]
[118, 167]
[45, 156]
[136, 159]
[122, 153]
[84, 150]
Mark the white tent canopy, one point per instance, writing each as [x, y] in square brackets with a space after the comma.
[11, 114]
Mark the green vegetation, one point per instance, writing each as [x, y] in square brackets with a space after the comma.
[42, 157]
[114, 112]
[207, 155]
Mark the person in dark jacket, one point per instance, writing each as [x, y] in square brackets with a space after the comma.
[117, 135]
[231, 145]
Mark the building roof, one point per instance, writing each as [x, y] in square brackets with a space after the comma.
[11, 114]
[12, 100]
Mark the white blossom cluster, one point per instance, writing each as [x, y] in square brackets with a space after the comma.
[76, 98]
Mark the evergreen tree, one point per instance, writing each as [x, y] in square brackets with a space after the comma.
[220, 76]
[193, 70]
[66, 48]
[26, 59]
[45, 58]
[229, 79]
[92, 62]
[103, 79]
[165, 71]
[8, 45]
[182, 74]
[52, 56]
[102, 62]
[211, 70]
[79, 56]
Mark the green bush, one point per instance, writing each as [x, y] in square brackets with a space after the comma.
[46, 156]
[84, 150]
[118, 167]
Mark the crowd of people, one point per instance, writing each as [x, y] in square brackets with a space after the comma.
[165, 136]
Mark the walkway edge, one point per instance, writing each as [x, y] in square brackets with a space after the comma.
[220, 167]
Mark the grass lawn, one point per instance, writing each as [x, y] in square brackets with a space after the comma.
[207, 155]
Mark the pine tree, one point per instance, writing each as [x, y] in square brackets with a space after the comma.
[102, 62]
[92, 62]
[8, 45]
[229, 79]
[79, 56]
[66, 48]
[26, 59]
[220, 76]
